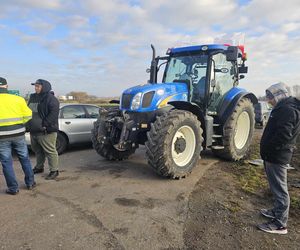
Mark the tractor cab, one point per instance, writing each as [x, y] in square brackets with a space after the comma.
[209, 71]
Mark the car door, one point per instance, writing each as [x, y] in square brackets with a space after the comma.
[93, 114]
[75, 123]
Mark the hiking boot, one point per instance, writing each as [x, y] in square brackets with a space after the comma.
[267, 213]
[272, 227]
[52, 175]
[31, 186]
[38, 170]
[11, 192]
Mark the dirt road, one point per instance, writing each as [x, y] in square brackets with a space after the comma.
[96, 204]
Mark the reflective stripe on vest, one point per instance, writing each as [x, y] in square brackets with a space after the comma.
[15, 119]
[11, 119]
[11, 132]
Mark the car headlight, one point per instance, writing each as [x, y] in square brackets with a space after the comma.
[136, 101]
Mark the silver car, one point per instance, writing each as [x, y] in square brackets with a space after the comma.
[75, 124]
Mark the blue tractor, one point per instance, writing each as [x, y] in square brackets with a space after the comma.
[197, 106]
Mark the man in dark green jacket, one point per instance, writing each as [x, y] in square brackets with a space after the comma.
[43, 127]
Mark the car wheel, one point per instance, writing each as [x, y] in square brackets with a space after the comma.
[61, 143]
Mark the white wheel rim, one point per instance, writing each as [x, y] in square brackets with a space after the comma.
[242, 131]
[183, 158]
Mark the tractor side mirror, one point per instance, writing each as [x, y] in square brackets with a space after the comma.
[243, 70]
[232, 53]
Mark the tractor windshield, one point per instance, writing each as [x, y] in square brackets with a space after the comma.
[190, 69]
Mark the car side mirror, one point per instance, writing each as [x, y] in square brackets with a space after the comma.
[232, 53]
[241, 77]
[148, 71]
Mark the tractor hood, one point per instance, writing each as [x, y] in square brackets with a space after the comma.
[150, 97]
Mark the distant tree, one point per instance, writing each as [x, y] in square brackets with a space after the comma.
[79, 96]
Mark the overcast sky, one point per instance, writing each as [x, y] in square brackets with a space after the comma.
[103, 47]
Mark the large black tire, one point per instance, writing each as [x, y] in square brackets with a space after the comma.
[107, 150]
[61, 143]
[234, 148]
[161, 146]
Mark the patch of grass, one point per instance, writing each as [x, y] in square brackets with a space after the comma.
[254, 151]
[252, 179]
[233, 206]
[295, 203]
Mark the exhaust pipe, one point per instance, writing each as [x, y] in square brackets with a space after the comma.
[153, 68]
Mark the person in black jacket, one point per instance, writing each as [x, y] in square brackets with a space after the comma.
[276, 148]
[43, 127]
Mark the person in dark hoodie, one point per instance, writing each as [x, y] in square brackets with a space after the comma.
[43, 127]
[276, 148]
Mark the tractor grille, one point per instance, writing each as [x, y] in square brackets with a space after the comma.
[147, 99]
[126, 100]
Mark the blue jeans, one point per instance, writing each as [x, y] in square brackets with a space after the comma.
[277, 178]
[20, 147]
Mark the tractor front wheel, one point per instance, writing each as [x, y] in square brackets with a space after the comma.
[174, 143]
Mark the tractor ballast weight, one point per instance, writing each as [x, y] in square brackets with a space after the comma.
[197, 106]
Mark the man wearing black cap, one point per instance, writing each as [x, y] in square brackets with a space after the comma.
[276, 149]
[43, 127]
[14, 113]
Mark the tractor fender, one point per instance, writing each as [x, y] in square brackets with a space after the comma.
[182, 105]
[231, 100]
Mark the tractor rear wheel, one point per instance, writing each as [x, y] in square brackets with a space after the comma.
[238, 132]
[105, 148]
[174, 143]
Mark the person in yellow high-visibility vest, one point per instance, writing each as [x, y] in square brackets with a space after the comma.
[14, 113]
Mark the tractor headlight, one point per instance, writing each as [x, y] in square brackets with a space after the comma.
[136, 101]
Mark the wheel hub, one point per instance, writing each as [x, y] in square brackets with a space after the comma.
[180, 145]
[183, 146]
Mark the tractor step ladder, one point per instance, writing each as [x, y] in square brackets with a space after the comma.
[218, 147]
[217, 136]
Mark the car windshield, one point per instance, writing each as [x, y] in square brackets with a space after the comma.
[188, 67]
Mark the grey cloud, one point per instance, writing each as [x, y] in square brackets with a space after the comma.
[41, 26]
[76, 21]
[272, 12]
[134, 27]
[45, 4]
